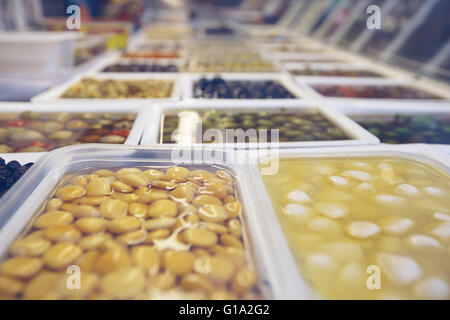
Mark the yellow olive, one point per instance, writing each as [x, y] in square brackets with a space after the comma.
[230, 241]
[152, 174]
[10, 286]
[86, 260]
[163, 208]
[234, 226]
[29, 247]
[160, 223]
[132, 237]
[199, 237]
[157, 235]
[125, 171]
[124, 224]
[53, 218]
[145, 257]
[216, 268]
[113, 208]
[42, 285]
[112, 259]
[93, 201]
[203, 199]
[234, 209]
[54, 204]
[163, 281]
[147, 195]
[94, 241]
[213, 213]
[98, 187]
[123, 283]
[120, 186]
[178, 262]
[61, 255]
[70, 192]
[135, 180]
[183, 193]
[137, 209]
[215, 189]
[243, 280]
[194, 282]
[21, 267]
[91, 225]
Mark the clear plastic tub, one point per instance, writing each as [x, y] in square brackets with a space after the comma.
[25, 201]
[36, 54]
[55, 93]
[412, 280]
[142, 113]
[153, 131]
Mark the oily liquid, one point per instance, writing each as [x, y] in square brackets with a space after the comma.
[366, 228]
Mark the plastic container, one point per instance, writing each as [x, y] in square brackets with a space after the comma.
[36, 54]
[153, 130]
[24, 200]
[382, 78]
[422, 86]
[142, 112]
[389, 111]
[287, 57]
[274, 236]
[283, 79]
[117, 59]
[55, 93]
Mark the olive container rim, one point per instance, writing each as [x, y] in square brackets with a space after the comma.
[285, 80]
[426, 154]
[54, 93]
[356, 134]
[26, 198]
[424, 85]
[143, 112]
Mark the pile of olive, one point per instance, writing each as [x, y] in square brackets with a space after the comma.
[218, 88]
[32, 131]
[408, 129]
[11, 172]
[141, 67]
[336, 73]
[89, 88]
[228, 63]
[292, 126]
[373, 92]
[135, 233]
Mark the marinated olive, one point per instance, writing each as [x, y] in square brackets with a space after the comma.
[292, 126]
[218, 88]
[47, 131]
[89, 88]
[408, 128]
[373, 92]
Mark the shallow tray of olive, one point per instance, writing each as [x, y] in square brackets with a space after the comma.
[292, 126]
[90, 88]
[32, 131]
[135, 233]
[407, 128]
[366, 227]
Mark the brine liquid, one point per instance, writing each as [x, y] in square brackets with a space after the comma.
[366, 228]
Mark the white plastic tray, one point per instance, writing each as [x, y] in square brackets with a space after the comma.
[284, 79]
[54, 94]
[143, 113]
[274, 239]
[386, 77]
[359, 135]
[117, 58]
[419, 85]
[25, 198]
